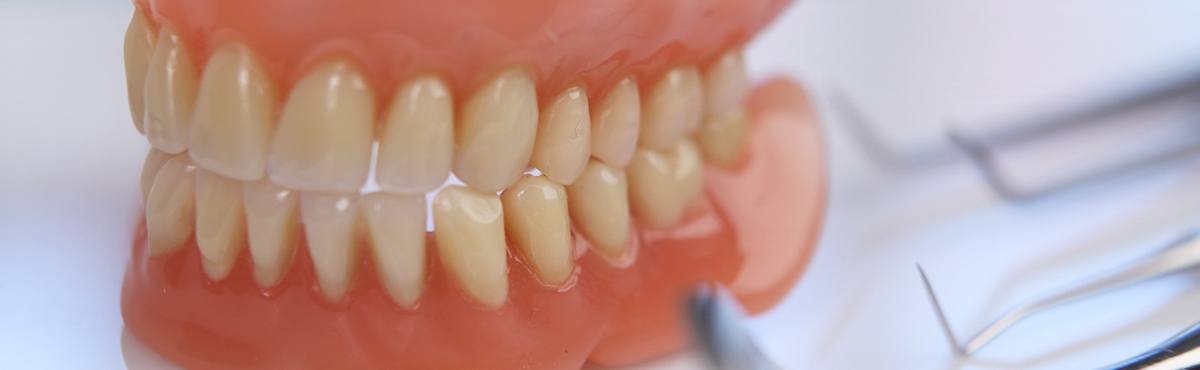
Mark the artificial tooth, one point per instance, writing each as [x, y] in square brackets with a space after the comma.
[615, 124]
[496, 132]
[725, 84]
[170, 208]
[598, 204]
[220, 222]
[397, 235]
[564, 137]
[723, 136]
[323, 142]
[536, 220]
[417, 144]
[272, 224]
[154, 160]
[332, 232]
[170, 92]
[139, 44]
[673, 109]
[232, 120]
[469, 230]
[663, 184]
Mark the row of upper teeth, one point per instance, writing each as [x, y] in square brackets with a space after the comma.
[227, 170]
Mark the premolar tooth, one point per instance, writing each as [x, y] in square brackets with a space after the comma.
[139, 44]
[220, 222]
[723, 137]
[725, 84]
[332, 232]
[615, 124]
[469, 230]
[272, 223]
[323, 142]
[417, 144]
[564, 137]
[397, 235]
[170, 208]
[234, 115]
[496, 132]
[154, 161]
[673, 108]
[662, 184]
[599, 205]
[536, 219]
[170, 92]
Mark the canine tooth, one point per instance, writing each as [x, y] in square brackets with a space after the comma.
[496, 132]
[417, 144]
[323, 142]
[673, 108]
[170, 208]
[469, 230]
[599, 205]
[272, 224]
[725, 84]
[397, 235]
[723, 136]
[232, 120]
[536, 220]
[332, 232]
[220, 222]
[615, 124]
[564, 137]
[662, 184]
[154, 161]
[139, 44]
[170, 92]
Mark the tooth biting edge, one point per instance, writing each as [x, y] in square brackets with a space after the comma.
[273, 226]
[564, 137]
[234, 114]
[331, 230]
[416, 147]
[397, 239]
[469, 231]
[598, 205]
[220, 222]
[170, 92]
[170, 207]
[615, 124]
[139, 45]
[673, 108]
[663, 184]
[154, 161]
[536, 220]
[496, 132]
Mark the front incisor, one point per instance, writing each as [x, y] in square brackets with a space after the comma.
[663, 184]
[615, 124]
[496, 132]
[332, 231]
[535, 216]
[564, 137]
[725, 84]
[154, 160]
[417, 143]
[323, 142]
[469, 231]
[170, 207]
[234, 115]
[139, 44]
[723, 137]
[598, 204]
[672, 109]
[170, 92]
[273, 227]
[397, 239]
[220, 222]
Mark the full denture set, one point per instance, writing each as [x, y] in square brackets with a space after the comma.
[560, 148]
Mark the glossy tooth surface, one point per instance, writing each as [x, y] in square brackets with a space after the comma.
[323, 142]
[662, 184]
[417, 144]
[332, 232]
[469, 230]
[220, 222]
[273, 225]
[170, 92]
[599, 205]
[139, 44]
[397, 239]
[725, 84]
[615, 124]
[495, 134]
[234, 115]
[154, 160]
[170, 208]
[723, 137]
[672, 109]
[564, 137]
[536, 219]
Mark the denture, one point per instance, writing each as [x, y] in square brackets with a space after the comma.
[529, 184]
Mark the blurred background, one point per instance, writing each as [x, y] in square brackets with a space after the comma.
[892, 81]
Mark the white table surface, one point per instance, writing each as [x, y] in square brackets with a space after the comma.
[70, 159]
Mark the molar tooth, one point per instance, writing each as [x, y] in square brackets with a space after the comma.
[673, 108]
[170, 92]
[332, 232]
[397, 235]
[564, 137]
[599, 205]
[664, 183]
[170, 207]
[417, 145]
[272, 223]
[535, 217]
[469, 230]
[139, 44]
[232, 120]
[725, 84]
[723, 137]
[220, 222]
[154, 161]
[615, 124]
[496, 132]
[323, 142]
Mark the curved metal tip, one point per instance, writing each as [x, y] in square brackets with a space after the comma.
[716, 325]
[941, 315]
